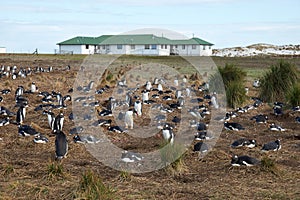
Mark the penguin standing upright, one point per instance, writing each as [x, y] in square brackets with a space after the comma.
[21, 114]
[58, 122]
[61, 145]
[33, 88]
[19, 91]
[168, 134]
[145, 96]
[129, 119]
[138, 108]
[51, 119]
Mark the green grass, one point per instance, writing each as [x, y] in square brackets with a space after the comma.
[55, 170]
[92, 187]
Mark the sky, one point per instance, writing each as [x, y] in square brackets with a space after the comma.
[27, 25]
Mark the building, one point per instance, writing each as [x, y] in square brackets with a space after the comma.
[2, 49]
[143, 44]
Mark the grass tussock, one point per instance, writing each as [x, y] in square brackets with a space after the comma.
[124, 176]
[293, 96]
[232, 79]
[173, 157]
[92, 187]
[269, 165]
[55, 170]
[278, 81]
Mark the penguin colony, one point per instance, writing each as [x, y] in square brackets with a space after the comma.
[154, 94]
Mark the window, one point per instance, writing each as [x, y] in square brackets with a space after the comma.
[162, 46]
[204, 47]
[132, 46]
[119, 46]
[194, 46]
[103, 47]
[166, 46]
[209, 47]
[176, 46]
[86, 46]
[183, 46]
[147, 46]
[153, 46]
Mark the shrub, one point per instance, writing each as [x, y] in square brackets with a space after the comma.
[279, 80]
[92, 187]
[230, 78]
[293, 96]
[235, 94]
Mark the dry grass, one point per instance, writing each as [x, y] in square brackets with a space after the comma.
[28, 170]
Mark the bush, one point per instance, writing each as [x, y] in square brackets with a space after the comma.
[293, 96]
[235, 94]
[232, 79]
[92, 187]
[278, 81]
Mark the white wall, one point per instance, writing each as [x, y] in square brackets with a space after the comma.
[90, 50]
[75, 48]
[2, 50]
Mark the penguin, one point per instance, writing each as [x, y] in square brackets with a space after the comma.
[243, 142]
[214, 101]
[159, 87]
[4, 122]
[168, 134]
[129, 119]
[58, 122]
[33, 88]
[271, 146]
[19, 91]
[244, 160]
[130, 157]
[85, 139]
[40, 139]
[61, 145]
[275, 127]
[148, 85]
[200, 147]
[138, 108]
[145, 96]
[76, 130]
[176, 82]
[21, 113]
[233, 126]
[26, 130]
[178, 93]
[51, 118]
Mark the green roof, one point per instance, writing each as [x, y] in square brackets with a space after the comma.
[141, 39]
[136, 39]
[85, 40]
[192, 41]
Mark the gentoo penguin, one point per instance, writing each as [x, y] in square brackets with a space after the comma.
[233, 126]
[33, 88]
[19, 91]
[129, 119]
[130, 157]
[297, 119]
[61, 145]
[243, 142]
[176, 82]
[260, 118]
[148, 85]
[138, 108]
[58, 122]
[21, 113]
[85, 139]
[244, 160]
[214, 101]
[275, 127]
[40, 139]
[177, 94]
[200, 147]
[26, 130]
[145, 96]
[4, 122]
[159, 87]
[51, 118]
[76, 130]
[168, 134]
[271, 146]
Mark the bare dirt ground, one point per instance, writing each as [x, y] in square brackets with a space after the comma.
[24, 165]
